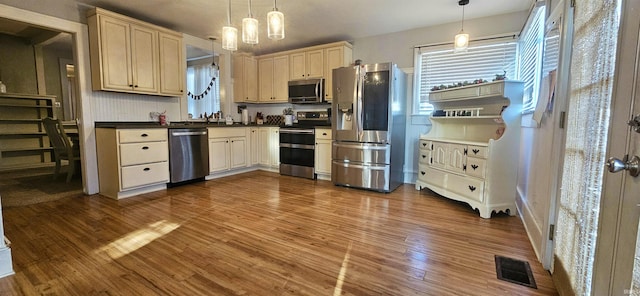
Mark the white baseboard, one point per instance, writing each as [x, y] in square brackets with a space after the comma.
[6, 265]
[532, 227]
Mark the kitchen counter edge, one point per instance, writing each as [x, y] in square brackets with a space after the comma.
[149, 124]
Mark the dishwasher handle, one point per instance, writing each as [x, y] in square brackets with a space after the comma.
[198, 133]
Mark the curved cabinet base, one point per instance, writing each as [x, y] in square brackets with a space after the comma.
[485, 210]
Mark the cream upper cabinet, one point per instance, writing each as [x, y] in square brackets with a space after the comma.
[273, 78]
[335, 57]
[245, 78]
[306, 64]
[172, 73]
[128, 55]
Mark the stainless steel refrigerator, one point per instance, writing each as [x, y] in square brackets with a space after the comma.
[368, 122]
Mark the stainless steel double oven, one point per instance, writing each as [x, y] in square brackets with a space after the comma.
[298, 142]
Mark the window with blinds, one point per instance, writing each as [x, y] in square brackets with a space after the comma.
[441, 66]
[530, 58]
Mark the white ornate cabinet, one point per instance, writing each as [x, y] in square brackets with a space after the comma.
[471, 152]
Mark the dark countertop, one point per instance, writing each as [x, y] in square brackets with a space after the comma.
[176, 124]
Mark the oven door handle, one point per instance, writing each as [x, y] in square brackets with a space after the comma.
[297, 146]
[297, 131]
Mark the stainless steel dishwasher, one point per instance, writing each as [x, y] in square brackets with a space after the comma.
[188, 154]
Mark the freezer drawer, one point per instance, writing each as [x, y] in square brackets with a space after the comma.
[354, 174]
[367, 153]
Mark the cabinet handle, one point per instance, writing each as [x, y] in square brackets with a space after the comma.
[475, 151]
[424, 144]
[422, 172]
[324, 134]
[472, 188]
[465, 151]
[146, 169]
[431, 160]
[144, 135]
[474, 167]
[431, 146]
[145, 148]
[424, 156]
[464, 167]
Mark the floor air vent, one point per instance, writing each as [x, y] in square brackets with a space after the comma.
[515, 271]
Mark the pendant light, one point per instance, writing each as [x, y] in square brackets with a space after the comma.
[461, 41]
[229, 34]
[275, 23]
[214, 69]
[250, 28]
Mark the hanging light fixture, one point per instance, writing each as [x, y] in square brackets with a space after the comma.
[461, 41]
[214, 69]
[250, 28]
[275, 23]
[229, 34]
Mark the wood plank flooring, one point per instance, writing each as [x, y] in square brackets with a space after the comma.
[260, 233]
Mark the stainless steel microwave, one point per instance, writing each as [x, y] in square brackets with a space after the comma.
[310, 91]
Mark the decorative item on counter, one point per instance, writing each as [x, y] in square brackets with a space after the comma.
[229, 120]
[288, 116]
[259, 118]
[162, 118]
[274, 119]
[245, 116]
[3, 88]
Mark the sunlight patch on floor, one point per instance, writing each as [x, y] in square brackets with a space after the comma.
[137, 239]
[343, 271]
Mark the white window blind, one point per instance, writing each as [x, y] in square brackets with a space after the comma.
[530, 58]
[438, 66]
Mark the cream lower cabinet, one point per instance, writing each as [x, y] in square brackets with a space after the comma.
[323, 154]
[471, 152]
[265, 147]
[228, 148]
[132, 161]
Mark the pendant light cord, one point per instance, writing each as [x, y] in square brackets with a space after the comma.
[463, 17]
[229, 14]
[251, 16]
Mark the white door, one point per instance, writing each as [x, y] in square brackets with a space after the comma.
[617, 262]
[218, 154]
[238, 149]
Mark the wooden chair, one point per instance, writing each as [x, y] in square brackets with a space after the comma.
[62, 148]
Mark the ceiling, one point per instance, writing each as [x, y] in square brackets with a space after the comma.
[306, 22]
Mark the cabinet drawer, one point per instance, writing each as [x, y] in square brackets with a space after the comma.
[139, 153]
[466, 186]
[142, 135]
[425, 144]
[424, 157]
[431, 176]
[323, 134]
[476, 167]
[227, 132]
[144, 174]
[477, 151]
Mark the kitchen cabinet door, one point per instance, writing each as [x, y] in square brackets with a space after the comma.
[144, 59]
[218, 154]
[264, 146]
[315, 63]
[265, 80]
[323, 157]
[281, 79]
[238, 148]
[255, 146]
[297, 66]
[171, 60]
[439, 155]
[245, 79]
[335, 57]
[115, 55]
[274, 143]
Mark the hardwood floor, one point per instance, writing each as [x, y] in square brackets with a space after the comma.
[260, 233]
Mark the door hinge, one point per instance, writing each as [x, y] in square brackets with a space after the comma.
[552, 230]
[562, 118]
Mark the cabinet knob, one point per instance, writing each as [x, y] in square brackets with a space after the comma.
[144, 135]
[422, 172]
[135, 85]
[130, 85]
[324, 134]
